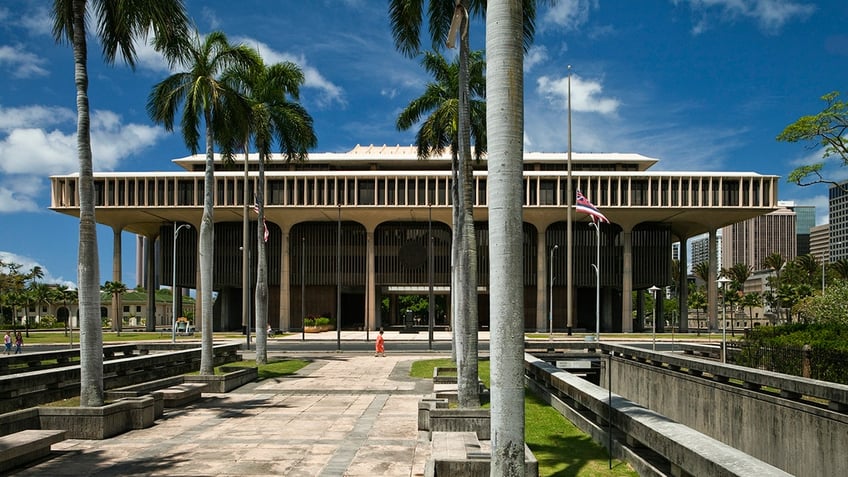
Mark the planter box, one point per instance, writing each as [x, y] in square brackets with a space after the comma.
[232, 378]
[93, 422]
[477, 421]
[317, 329]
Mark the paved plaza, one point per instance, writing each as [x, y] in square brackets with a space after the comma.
[345, 414]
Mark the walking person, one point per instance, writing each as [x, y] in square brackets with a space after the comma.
[380, 346]
[7, 341]
[19, 342]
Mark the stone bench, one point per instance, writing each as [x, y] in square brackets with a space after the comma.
[181, 394]
[25, 446]
[462, 453]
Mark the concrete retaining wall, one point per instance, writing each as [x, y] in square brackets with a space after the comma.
[799, 438]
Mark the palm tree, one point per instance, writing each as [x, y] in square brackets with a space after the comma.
[840, 267]
[505, 128]
[272, 118]
[775, 262]
[116, 289]
[208, 100]
[119, 24]
[440, 130]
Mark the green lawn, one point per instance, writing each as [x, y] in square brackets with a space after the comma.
[562, 449]
[59, 337]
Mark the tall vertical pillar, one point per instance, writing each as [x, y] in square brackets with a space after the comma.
[712, 286]
[627, 282]
[150, 277]
[542, 278]
[370, 281]
[285, 279]
[683, 287]
[117, 277]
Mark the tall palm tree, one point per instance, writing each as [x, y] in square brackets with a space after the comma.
[119, 24]
[274, 116]
[505, 126]
[441, 130]
[208, 101]
[116, 289]
[840, 267]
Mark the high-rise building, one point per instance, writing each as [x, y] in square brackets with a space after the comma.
[805, 219]
[700, 250]
[752, 240]
[838, 203]
[819, 239]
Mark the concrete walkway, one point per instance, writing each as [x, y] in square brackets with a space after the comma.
[342, 415]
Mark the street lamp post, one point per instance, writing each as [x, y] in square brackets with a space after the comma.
[654, 289]
[597, 267]
[174, 282]
[551, 294]
[723, 281]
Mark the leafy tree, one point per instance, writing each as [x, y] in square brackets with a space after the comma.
[832, 307]
[826, 130]
[273, 116]
[119, 24]
[208, 101]
[702, 271]
[440, 130]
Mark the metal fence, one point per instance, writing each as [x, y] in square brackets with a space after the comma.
[807, 361]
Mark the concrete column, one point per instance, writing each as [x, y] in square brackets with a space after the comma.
[198, 298]
[542, 282]
[370, 282]
[627, 282]
[117, 320]
[285, 280]
[683, 288]
[151, 283]
[712, 286]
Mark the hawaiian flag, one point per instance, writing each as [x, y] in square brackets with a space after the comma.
[583, 205]
[264, 224]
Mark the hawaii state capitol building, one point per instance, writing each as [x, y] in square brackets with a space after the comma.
[349, 231]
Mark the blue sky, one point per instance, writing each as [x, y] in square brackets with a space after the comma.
[699, 84]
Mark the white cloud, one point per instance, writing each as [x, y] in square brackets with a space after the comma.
[769, 15]
[38, 21]
[569, 14]
[21, 63]
[586, 95]
[329, 92]
[34, 116]
[28, 263]
[536, 55]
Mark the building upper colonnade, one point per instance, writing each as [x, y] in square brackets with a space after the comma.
[349, 230]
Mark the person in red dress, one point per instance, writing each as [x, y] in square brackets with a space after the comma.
[380, 349]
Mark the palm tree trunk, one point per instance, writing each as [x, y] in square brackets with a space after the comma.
[467, 391]
[261, 272]
[91, 333]
[207, 249]
[505, 124]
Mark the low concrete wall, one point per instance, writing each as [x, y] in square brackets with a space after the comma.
[687, 452]
[88, 422]
[22, 420]
[232, 378]
[800, 437]
[477, 421]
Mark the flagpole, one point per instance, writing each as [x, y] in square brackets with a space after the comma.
[597, 281]
[568, 252]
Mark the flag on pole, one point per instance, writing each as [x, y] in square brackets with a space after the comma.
[583, 205]
[264, 223]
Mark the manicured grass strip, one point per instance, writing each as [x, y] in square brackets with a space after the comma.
[274, 369]
[562, 449]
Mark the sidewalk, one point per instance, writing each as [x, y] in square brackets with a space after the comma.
[342, 415]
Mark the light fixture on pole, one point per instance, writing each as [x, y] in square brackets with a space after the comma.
[174, 282]
[723, 281]
[551, 294]
[654, 289]
[597, 267]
